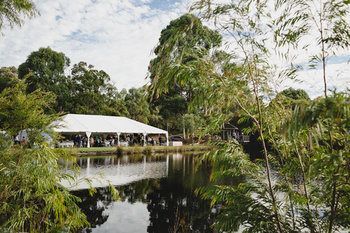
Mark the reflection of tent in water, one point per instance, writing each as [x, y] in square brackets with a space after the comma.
[72, 124]
[117, 171]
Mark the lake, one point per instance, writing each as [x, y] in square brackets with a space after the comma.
[157, 194]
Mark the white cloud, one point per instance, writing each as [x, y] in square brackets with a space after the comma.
[116, 36]
[338, 78]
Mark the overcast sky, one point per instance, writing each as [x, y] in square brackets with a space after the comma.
[118, 36]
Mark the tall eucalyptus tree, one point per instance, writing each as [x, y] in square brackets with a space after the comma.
[177, 73]
[182, 45]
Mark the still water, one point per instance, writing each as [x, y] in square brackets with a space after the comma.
[157, 194]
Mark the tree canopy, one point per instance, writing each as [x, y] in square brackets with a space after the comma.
[182, 44]
[295, 94]
[176, 73]
[138, 106]
[71, 86]
[44, 69]
[8, 77]
[88, 83]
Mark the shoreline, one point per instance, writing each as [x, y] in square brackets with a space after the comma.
[131, 150]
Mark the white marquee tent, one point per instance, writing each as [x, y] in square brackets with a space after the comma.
[79, 123]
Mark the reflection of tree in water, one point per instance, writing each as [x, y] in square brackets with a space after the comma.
[171, 201]
[137, 192]
[94, 206]
[174, 207]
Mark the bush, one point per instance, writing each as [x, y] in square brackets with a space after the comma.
[31, 197]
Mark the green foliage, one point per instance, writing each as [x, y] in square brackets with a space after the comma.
[172, 106]
[92, 92]
[249, 33]
[321, 24]
[45, 69]
[326, 157]
[295, 94]
[8, 77]
[310, 157]
[300, 184]
[182, 44]
[85, 91]
[138, 106]
[12, 12]
[176, 74]
[20, 111]
[187, 67]
[240, 192]
[31, 197]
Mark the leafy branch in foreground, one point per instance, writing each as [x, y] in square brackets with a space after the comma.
[12, 11]
[305, 154]
[318, 25]
[32, 198]
[322, 142]
[310, 156]
[240, 192]
[249, 30]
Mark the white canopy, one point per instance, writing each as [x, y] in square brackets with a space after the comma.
[78, 123]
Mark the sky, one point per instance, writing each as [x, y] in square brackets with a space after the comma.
[118, 36]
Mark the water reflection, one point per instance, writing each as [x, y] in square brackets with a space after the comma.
[102, 171]
[160, 204]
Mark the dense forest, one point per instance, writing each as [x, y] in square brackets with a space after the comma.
[301, 183]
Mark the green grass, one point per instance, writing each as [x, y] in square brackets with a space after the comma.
[137, 149]
[97, 149]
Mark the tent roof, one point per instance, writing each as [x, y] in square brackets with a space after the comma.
[74, 123]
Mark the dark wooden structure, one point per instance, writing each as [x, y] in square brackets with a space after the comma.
[230, 132]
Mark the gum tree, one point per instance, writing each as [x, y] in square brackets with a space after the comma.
[176, 72]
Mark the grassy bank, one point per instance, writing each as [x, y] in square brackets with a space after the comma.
[138, 150]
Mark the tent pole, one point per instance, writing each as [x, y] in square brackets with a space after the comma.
[88, 134]
[144, 139]
[118, 136]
